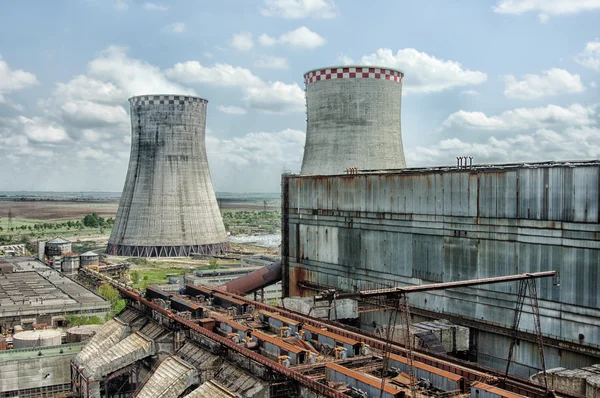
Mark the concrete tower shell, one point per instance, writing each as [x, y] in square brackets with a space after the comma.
[353, 120]
[168, 206]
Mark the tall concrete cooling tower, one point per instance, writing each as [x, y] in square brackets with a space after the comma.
[168, 207]
[353, 120]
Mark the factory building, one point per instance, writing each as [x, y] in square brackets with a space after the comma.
[353, 120]
[168, 206]
[43, 371]
[34, 294]
[420, 226]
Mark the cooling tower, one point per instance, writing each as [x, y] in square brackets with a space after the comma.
[168, 206]
[353, 120]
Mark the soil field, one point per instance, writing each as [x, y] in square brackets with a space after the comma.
[57, 210]
[62, 210]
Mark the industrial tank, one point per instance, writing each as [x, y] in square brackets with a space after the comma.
[88, 258]
[353, 120]
[78, 334]
[57, 247]
[168, 206]
[69, 263]
[37, 338]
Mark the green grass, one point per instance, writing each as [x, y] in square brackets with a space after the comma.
[252, 221]
[155, 276]
[18, 235]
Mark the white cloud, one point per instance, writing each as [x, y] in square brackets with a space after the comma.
[524, 118]
[543, 144]
[590, 56]
[266, 40]
[296, 9]
[344, 59]
[176, 27]
[13, 80]
[471, 93]
[545, 8]
[425, 73]
[87, 88]
[155, 7]
[90, 114]
[276, 97]
[301, 39]
[272, 62]
[121, 5]
[7, 101]
[264, 148]
[242, 41]
[42, 130]
[593, 84]
[132, 76]
[264, 154]
[219, 75]
[273, 97]
[551, 83]
[207, 54]
[232, 110]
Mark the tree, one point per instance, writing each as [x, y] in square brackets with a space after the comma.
[213, 264]
[135, 277]
[109, 293]
[91, 220]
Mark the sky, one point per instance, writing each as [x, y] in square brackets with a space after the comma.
[500, 80]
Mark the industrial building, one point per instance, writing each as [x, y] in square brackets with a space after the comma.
[33, 293]
[43, 371]
[168, 206]
[455, 252]
[420, 226]
[206, 340]
[353, 119]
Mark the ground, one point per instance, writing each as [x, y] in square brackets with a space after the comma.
[255, 215]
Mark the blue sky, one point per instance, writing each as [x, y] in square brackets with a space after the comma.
[502, 81]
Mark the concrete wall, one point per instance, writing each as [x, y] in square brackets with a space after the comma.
[353, 120]
[25, 370]
[421, 226]
[168, 202]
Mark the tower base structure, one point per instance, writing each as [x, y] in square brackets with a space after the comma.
[166, 251]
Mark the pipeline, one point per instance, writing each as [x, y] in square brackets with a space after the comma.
[255, 280]
[305, 381]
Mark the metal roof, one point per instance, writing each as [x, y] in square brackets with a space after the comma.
[88, 254]
[58, 240]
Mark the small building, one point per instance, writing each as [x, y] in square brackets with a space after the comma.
[6, 267]
[57, 247]
[89, 258]
[69, 263]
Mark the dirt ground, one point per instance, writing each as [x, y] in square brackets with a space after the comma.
[59, 210]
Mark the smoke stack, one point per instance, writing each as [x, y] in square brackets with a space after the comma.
[168, 206]
[353, 120]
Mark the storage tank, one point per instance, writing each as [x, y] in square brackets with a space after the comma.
[57, 247]
[78, 334]
[89, 258]
[168, 207]
[69, 263]
[37, 338]
[353, 120]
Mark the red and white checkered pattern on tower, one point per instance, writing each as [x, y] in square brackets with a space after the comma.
[353, 73]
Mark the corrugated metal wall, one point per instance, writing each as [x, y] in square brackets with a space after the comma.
[414, 227]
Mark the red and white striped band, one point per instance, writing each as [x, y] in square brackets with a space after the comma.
[353, 73]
